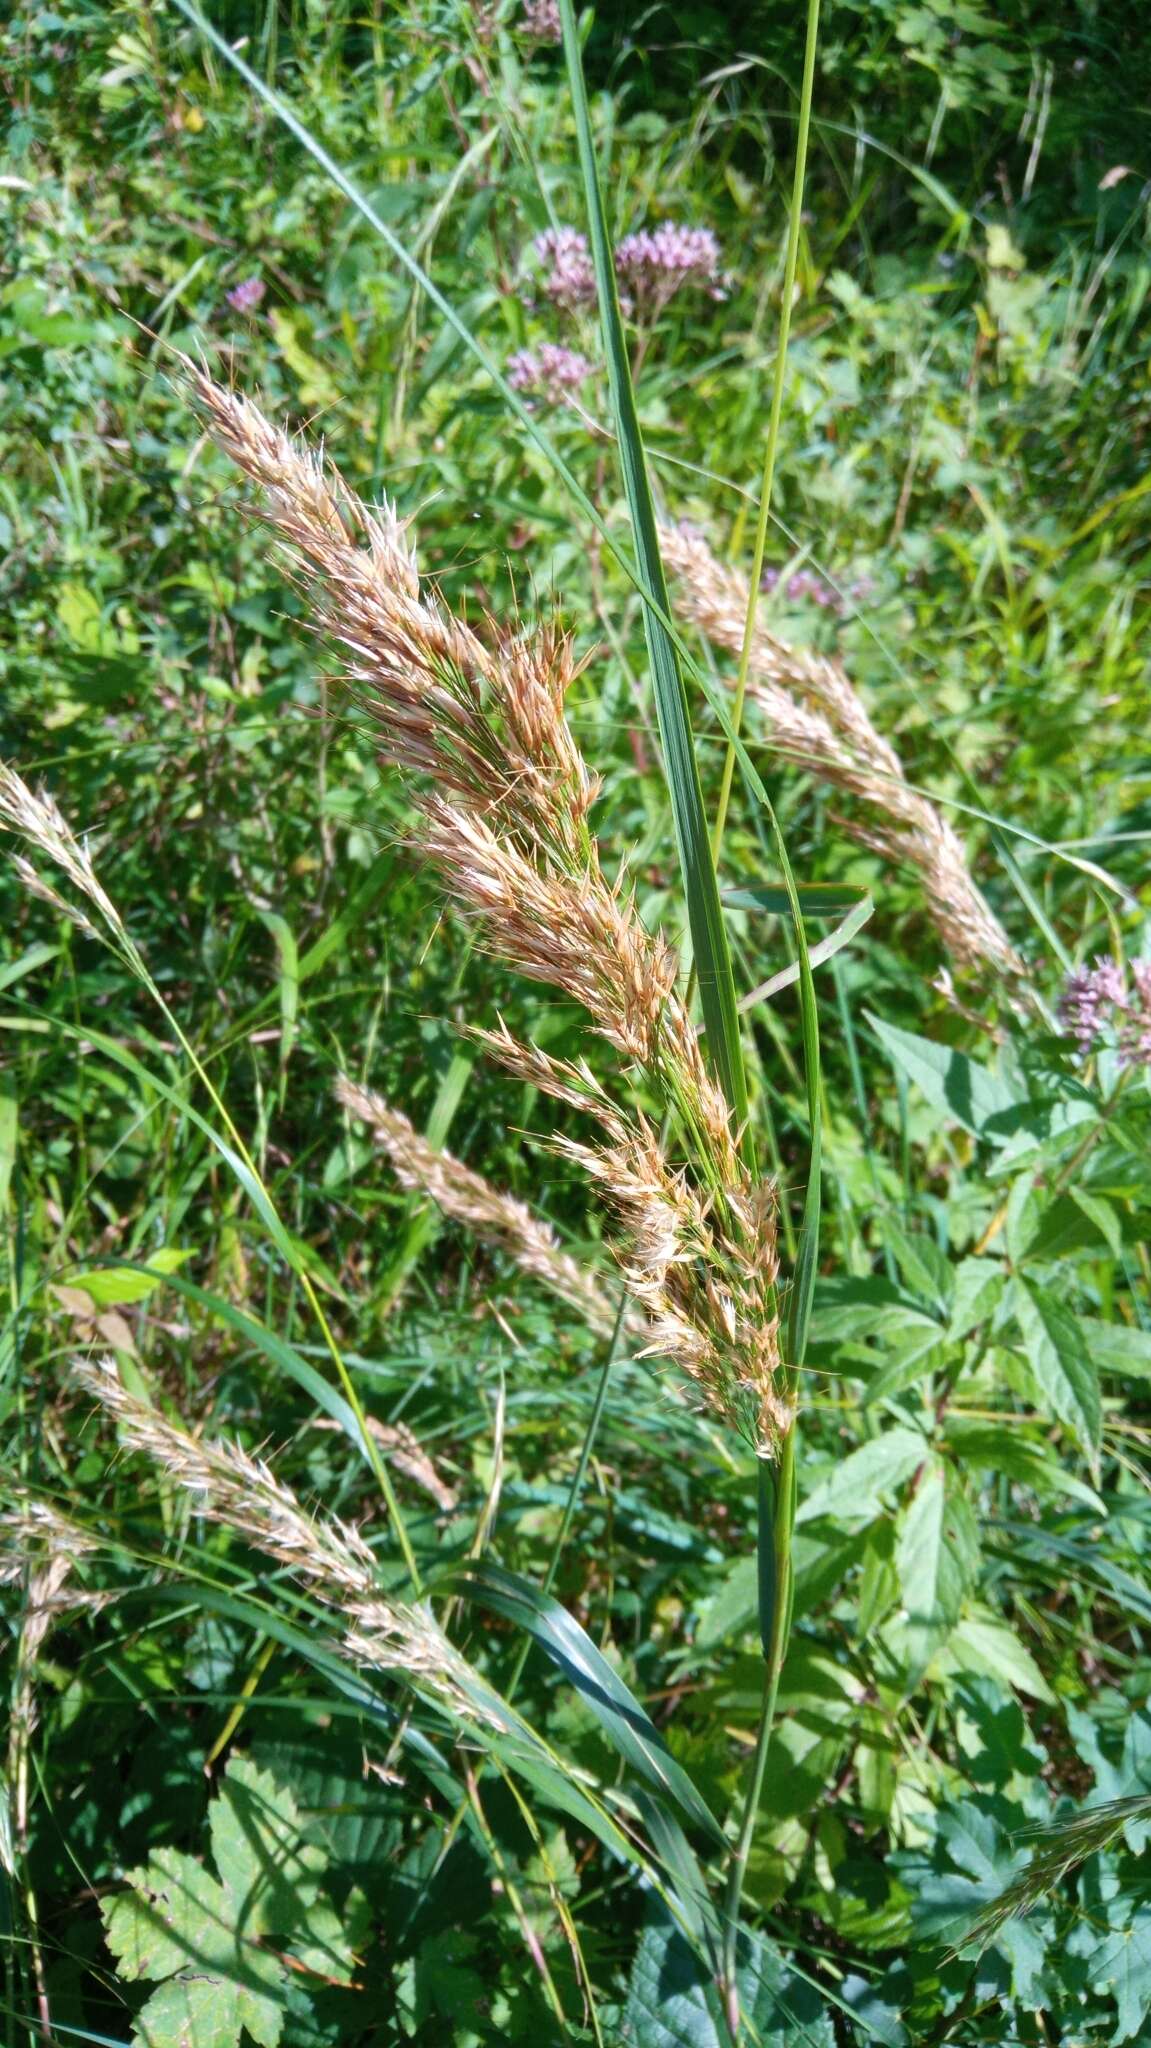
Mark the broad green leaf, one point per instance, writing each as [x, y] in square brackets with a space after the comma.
[936, 1559]
[1118, 1347]
[1072, 1225]
[1003, 1447]
[922, 1266]
[912, 1357]
[200, 2010]
[205, 1934]
[982, 1642]
[960, 1088]
[1060, 1362]
[977, 1290]
[116, 1286]
[269, 1872]
[1103, 1215]
[732, 1604]
[173, 1912]
[847, 1308]
[856, 1487]
[671, 2003]
[1122, 1966]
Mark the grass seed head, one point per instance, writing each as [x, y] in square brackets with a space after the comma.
[815, 716]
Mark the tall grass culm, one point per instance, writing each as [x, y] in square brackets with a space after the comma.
[502, 797]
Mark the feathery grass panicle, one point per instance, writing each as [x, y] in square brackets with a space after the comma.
[707, 1274]
[816, 717]
[326, 1557]
[503, 796]
[35, 817]
[497, 1219]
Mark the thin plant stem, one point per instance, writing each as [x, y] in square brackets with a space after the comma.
[576, 1487]
[134, 959]
[790, 265]
[590, 1434]
[775, 1653]
[574, 1490]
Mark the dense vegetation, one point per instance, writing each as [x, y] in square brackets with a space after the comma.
[215, 1822]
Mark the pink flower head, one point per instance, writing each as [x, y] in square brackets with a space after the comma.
[1095, 998]
[247, 295]
[540, 22]
[656, 263]
[551, 372]
[804, 584]
[1135, 1028]
[570, 281]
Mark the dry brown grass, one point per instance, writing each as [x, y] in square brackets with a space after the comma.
[501, 797]
[812, 713]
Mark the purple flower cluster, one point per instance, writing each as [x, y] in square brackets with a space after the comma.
[539, 21]
[247, 295]
[1097, 998]
[653, 265]
[550, 372]
[805, 585]
[570, 280]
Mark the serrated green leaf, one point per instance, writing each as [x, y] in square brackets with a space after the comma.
[203, 1934]
[270, 1874]
[935, 1559]
[1060, 1363]
[960, 1088]
[856, 1487]
[194, 2011]
[174, 1910]
[977, 1289]
[1118, 1347]
[1002, 1447]
[1122, 1966]
[672, 2004]
[983, 1642]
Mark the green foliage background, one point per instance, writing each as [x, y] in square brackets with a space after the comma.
[964, 447]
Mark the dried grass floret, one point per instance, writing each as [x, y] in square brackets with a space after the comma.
[502, 797]
[497, 1219]
[325, 1556]
[36, 818]
[815, 716]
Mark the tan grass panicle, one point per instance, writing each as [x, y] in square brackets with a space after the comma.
[814, 715]
[502, 797]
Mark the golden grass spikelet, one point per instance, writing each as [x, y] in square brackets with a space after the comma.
[816, 717]
[496, 1219]
[705, 1271]
[503, 795]
[505, 817]
[36, 818]
[326, 1557]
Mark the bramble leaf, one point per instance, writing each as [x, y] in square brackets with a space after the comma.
[1061, 1363]
[1123, 1966]
[204, 1935]
[936, 1559]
